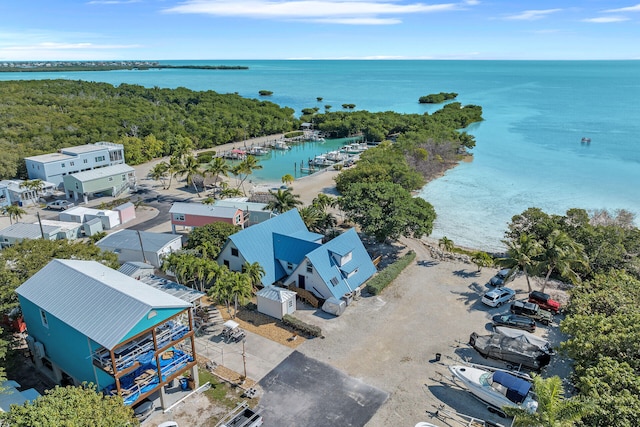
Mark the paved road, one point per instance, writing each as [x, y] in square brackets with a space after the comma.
[303, 392]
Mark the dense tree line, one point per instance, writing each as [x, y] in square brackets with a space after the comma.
[443, 125]
[436, 98]
[603, 315]
[45, 115]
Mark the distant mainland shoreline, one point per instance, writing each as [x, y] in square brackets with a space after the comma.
[53, 66]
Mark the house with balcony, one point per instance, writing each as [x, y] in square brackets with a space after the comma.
[21, 194]
[98, 325]
[110, 180]
[54, 167]
[191, 215]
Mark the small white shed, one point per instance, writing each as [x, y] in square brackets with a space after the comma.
[276, 302]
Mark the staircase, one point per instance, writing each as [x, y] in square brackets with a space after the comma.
[305, 295]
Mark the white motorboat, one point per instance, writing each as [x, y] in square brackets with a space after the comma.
[258, 151]
[497, 389]
[281, 145]
[335, 156]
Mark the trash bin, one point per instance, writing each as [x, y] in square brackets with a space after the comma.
[438, 356]
[184, 385]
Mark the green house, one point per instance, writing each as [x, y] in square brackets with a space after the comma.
[111, 180]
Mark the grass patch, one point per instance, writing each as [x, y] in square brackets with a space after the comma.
[381, 280]
[220, 393]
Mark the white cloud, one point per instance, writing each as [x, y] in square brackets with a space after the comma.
[635, 8]
[606, 19]
[532, 15]
[352, 12]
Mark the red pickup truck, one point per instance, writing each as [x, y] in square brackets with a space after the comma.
[544, 301]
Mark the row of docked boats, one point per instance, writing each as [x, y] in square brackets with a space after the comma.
[355, 148]
[328, 159]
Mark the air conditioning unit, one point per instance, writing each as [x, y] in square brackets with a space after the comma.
[38, 350]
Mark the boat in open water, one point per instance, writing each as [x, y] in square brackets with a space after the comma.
[497, 389]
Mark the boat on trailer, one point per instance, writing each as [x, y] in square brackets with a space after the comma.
[497, 389]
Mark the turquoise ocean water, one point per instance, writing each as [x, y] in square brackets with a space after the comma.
[529, 150]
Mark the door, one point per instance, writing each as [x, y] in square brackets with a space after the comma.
[301, 281]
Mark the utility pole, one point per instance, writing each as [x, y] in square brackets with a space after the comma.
[144, 258]
[40, 222]
[244, 360]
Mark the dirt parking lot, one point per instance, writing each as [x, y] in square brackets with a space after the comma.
[390, 341]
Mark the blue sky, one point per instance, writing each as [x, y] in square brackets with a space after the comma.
[318, 29]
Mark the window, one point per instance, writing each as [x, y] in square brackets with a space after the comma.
[77, 186]
[178, 217]
[289, 266]
[124, 178]
[86, 161]
[43, 317]
[71, 163]
[334, 281]
[309, 267]
[234, 251]
[290, 303]
[110, 178]
[226, 263]
[63, 165]
[99, 159]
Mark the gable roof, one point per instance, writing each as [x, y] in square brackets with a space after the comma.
[102, 172]
[291, 249]
[22, 230]
[99, 302]
[256, 243]
[129, 239]
[334, 275]
[204, 210]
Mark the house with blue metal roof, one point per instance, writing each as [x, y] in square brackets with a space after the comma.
[275, 244]
[288, 252]
[336, 269]
[95, 324]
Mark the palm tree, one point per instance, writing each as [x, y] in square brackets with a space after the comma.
[175, 166]
[222, 288]
[446, 244]
[228, 191]
[287, 179]
[283, 200]
[190, 169]
[553, 409]
[522, 254]
[323, 202]
[209, 201]
[246, 168]
[255, 272]
[216, 167]
[35, 184]
[560, 253]
[14, 212]
[311, 216]
[159, 173]
[240, 289]
[482, 259]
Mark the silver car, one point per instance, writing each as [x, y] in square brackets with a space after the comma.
[497, 297]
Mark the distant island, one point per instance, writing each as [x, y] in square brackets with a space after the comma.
[436, 98]
[33, 66]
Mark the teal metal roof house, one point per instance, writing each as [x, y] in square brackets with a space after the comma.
[336, 269]
[258, 243]
[98, 325]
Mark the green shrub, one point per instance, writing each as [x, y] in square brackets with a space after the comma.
[301, 326]
[293, 134]
[381, 280]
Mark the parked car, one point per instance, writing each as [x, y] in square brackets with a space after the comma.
[497, 297]
[60, 205]
[143, 410]
[502, 277]
[544, 301]
[515, 321]
[529, 309]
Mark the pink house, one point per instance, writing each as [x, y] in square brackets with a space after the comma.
[196, 215]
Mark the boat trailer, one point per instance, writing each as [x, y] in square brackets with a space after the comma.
[444, 414]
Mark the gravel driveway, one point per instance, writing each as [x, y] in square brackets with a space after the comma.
[390, 341]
